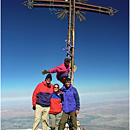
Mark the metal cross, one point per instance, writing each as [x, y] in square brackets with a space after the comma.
[70, 7]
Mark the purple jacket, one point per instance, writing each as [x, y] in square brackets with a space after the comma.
[61, 69]
[71, 101]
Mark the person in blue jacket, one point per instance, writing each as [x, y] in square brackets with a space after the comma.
[70, 104]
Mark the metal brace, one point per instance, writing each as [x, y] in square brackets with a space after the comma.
[68, 49]
[29, 3]
[112, 11]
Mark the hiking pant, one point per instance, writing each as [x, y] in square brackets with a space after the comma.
[41, 112]
[64, 119]
[54, 120]
[62, 76]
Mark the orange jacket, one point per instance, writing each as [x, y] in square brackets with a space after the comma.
[55, 106]
[42, 94]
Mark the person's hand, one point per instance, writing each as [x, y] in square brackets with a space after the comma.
[76, 112]
[45, 72]
[34, 108]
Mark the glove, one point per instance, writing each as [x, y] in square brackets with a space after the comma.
[62, 98]
[34, 108]
[45, 72]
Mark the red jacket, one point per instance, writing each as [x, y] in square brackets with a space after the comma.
[61, 69]
[42, 94]
[55, 106]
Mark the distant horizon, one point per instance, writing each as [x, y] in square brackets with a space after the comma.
[85, 98]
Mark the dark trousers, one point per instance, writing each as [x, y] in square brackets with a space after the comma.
[62, 76]
[64, 119]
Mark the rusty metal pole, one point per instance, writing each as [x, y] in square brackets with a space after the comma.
[69, 25]
[73, 41]
[69, 28]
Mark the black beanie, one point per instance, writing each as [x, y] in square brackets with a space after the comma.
[67, 59]
[68, 80]
[49, 76]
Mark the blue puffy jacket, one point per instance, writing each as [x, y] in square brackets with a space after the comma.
[71, 101]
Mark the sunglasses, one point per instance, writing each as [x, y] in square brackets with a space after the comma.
[56, 87]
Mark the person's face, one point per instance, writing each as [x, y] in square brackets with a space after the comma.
[48, 80]
[67, 84]
[67, 63]
[56, 88]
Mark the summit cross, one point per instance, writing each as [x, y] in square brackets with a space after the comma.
[70, 8]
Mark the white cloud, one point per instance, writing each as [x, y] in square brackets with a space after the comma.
[102, 93]
[16, 99]
[22, 129]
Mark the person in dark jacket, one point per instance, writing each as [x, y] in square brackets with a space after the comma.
[41, 103]
[70, 104]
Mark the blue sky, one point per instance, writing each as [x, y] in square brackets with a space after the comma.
[32, 40]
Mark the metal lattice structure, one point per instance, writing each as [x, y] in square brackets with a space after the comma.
[70, 8]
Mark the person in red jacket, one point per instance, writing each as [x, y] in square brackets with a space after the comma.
[41, 102]
[61, 70]
[55, 108]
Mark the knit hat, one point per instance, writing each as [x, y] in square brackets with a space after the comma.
[68, 80]
[48, 76]
[67, 59]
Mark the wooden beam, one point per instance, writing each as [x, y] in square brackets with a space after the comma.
[73, 43]
[52, 1]
[91, 6]
[50, 6]
[93, 10]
